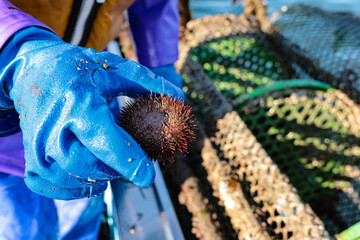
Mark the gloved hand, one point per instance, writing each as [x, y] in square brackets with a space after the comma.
[169, 73]
[73, 146]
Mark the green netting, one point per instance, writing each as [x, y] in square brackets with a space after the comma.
[307, 130]
[238, 65]
[311, 132]
[310, 141]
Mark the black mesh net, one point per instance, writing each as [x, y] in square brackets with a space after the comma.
[324, 45]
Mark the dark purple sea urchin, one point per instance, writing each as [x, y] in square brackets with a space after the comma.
[163, 126]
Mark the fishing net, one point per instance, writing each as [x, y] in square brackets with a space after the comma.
[283, 153]
[325, 45]
[313, 136]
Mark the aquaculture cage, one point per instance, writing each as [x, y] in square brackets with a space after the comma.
[279, 127]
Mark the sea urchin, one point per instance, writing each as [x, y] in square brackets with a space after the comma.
[163, 126]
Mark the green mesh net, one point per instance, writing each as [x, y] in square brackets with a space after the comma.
[307, 129]
[311, 137]
[237, 65]
[301, 131]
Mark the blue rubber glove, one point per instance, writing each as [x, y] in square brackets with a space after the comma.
[169, 73]
[73, 146]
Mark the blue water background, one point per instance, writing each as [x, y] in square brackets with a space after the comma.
[209, 7]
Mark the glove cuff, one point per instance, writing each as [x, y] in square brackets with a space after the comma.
[13, 19]
[22, 41]
[19, 43]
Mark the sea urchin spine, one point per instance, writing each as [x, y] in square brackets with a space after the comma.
[163, 126]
